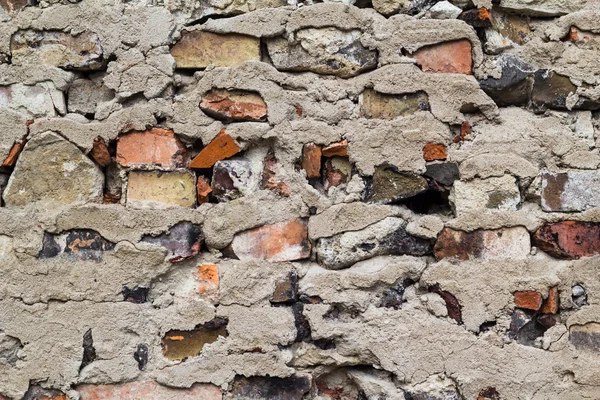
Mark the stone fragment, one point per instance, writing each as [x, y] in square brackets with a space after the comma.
[157, 189]
[550, 90]
[283, 241]
[221, 147]
[339, 149]
[579, 296]
[514, 85]
[40, 100]
[203, 190]
[141, 356]
[261, 387]
[68, 175]
[113, 188]
[207, 276]
[182, 241]
[216, 8]
[180, 345]
[426, 227]
[9, 350]
[156, 146]
[136, 295]
[286, 289]
[389, 106]
[434, 152]
[443, 173]
[233, 179]
[447, 57]
[506, 31]
[327, 51]
[40, 393]
[568, 239]
[234, 105]
[477, 17]
[58, 49]
[542, 8]
[550, 305]
[15, 150]
[496, 193]
[585, 337]
[89, 352]
[311, 160]
[268, 180]
[529, 300]
[511, 243]
[452, 305]
[410, 7]
[84, 95]
[147, 390]
[337, 171]
[100, 152]
[12, 6]
[386, 237]
[389, 185]
[444, 10]
[570, 191]
[198, 50]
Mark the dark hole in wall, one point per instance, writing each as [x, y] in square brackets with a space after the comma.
[89, 352]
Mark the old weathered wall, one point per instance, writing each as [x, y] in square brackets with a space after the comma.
[250, 199]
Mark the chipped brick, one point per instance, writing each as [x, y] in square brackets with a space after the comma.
[157, 189]
[221, 147]
[235, 105]
[529, 300]
[568, 239]
[100, 152]
[339, 149]
[434, 152]
[156, 146]
[483, 244]
[449, 57]
[311, 160]
[147, 390]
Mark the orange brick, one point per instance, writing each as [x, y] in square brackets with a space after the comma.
[203, 188]
[221, 147]
[149, 390]
[100, 152]
[529, 300]
[336, 149]
[550, 305]
[311, 160]
[11, 159]
[434, 151]
[449, 57]
[156, 146]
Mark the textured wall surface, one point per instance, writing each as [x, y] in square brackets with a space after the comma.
[261, 199]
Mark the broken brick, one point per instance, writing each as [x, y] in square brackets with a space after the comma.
[156, 146]
[528, 300]
[550, 305]
[100, 152]
[311, 160]
[434, 151]
[180, 345]
[15, 150]
[283, 241]
[233, 179]
[336, 172]
[483, 244]
[449, 57]
[221, 147]
[568, 239]
[339, 149]
[234, 105]
[203, 190]
[40, 393]
[147, 390]
[207, 276]
[182, 241]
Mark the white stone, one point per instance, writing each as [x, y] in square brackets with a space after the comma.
[444, 10]
[486, 194]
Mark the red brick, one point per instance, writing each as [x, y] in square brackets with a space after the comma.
[550, 305]
[336, 149]
[11, 159]
[569, 239]
[311, 160]
[148, 390]
[156, 146]
[434, 151]
[484, 244]
[100, 152]
[283, 241]
[449, 57]
[529, 300]
[207, 276]
[203, 188]
[221, 147]
[234, 105]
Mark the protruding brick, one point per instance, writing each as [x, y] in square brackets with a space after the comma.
[58, 49]
[183, 241]
[156, 146]
[311, 160]
[261, 387]
[207, 276]
[569, 239]
[389, 106]
[283, 241]
[179, 345]
[221, 147]
[100, 152]
[449, 57]
[339, 149]
[550, 305]
[148, 390]
[434, 151]
[15, 150]
[236, 105]
[529, 300]
[203, 189]
[493, 244]
[198, 50]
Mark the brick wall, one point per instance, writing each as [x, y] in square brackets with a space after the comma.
[254, 199]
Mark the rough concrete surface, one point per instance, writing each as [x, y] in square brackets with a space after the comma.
[302, 199]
